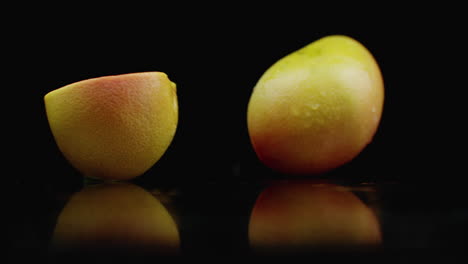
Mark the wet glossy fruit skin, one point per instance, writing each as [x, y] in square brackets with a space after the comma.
[114, 127]
[115, 217]
[317, 108]
[300, 217]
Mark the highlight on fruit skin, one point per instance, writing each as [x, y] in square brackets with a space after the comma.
[300, 217]
[114, 218]
[317, 108]
[114, 127]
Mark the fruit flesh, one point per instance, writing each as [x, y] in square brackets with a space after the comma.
[316, 108]
[114, 127]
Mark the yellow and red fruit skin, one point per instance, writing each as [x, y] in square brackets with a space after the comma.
[114, 127]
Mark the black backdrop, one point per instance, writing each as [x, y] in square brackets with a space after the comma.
[216, 59]
[216, 54]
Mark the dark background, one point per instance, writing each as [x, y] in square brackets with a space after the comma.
[216, 58]
[215, 55]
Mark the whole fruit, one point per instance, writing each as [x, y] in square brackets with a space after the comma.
[317, 108]
[114, 127]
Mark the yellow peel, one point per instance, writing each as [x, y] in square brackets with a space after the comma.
[114, 127]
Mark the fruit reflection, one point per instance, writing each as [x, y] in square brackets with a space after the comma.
[308, 217]
[116, 217]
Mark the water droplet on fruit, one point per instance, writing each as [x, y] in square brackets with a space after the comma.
[175, 104]
[295, 111]
[314, 106]
[375, 118]
[373, 109]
